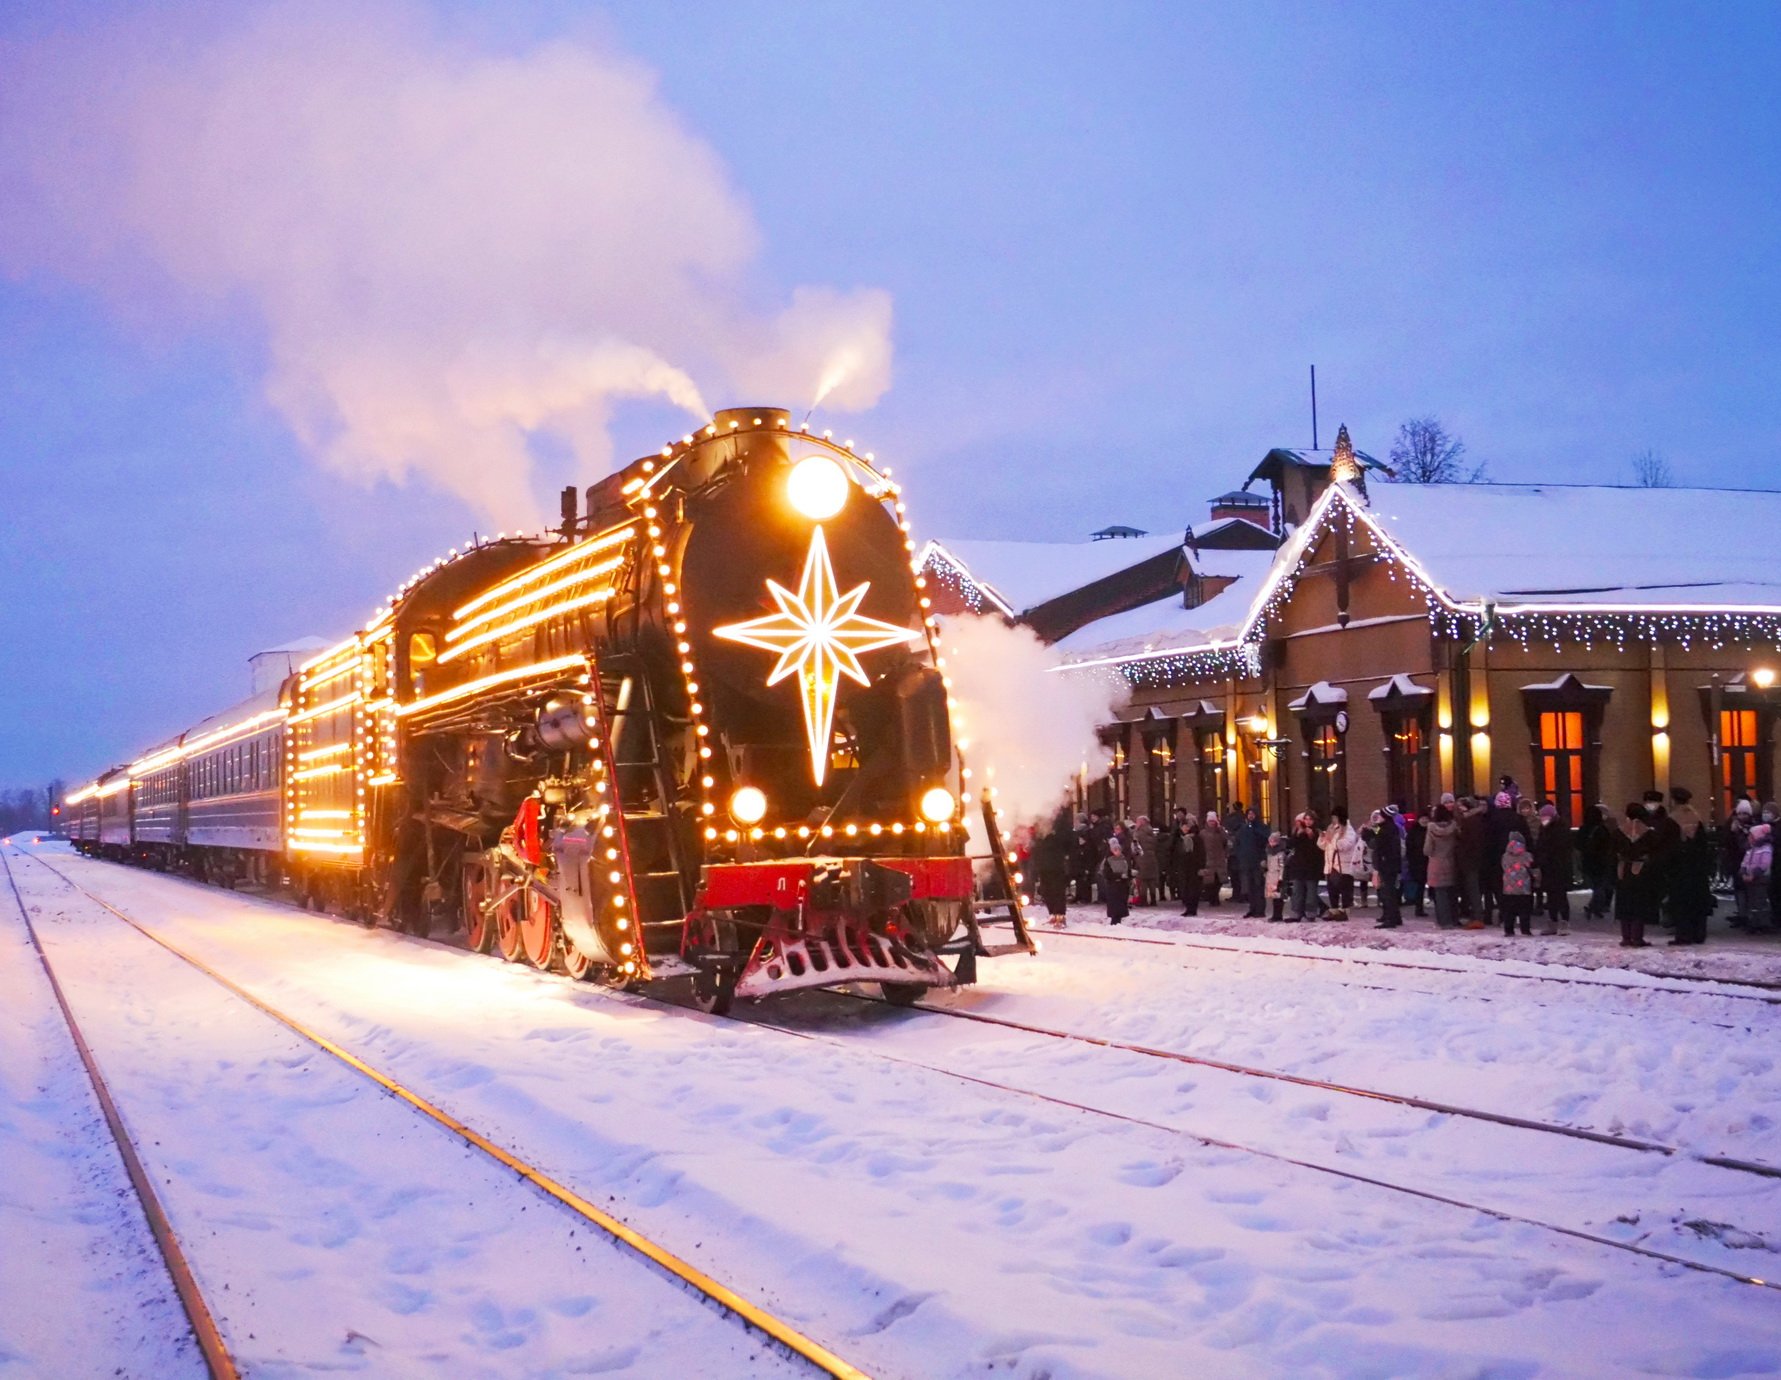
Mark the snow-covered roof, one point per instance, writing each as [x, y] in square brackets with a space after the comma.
[1399, 684]
[1025, 574]
[1320, 693]
[1241, 564]
[1532, 544]
[1162, 624]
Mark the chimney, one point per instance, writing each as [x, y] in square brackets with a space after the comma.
[570, 495]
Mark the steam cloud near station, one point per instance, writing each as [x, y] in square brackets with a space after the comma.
[452, 255]
[1030, 730]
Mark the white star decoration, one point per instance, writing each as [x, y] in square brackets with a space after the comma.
[817, 633]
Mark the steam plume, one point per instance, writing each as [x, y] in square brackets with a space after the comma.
[449, 253]
[1029, 731]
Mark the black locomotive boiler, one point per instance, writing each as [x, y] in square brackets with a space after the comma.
[707, 718]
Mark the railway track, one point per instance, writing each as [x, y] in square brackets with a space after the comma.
[1316, 1166]
[1350, 956]
[217, 1354]
[1555, 1128]
[1626, 1143]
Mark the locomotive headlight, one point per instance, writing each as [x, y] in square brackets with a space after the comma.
[748, 805]
[817, 487]
[937, 805]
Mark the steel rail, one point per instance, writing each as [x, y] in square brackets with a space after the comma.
[1345, 955]
[1352, 1176]
[1553, 1128]
[680, 1270]
[205, 1332]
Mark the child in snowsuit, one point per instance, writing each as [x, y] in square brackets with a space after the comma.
[1754, 871]
[1517, 892]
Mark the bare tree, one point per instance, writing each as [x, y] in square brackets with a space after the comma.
[1652, 471]
[1425, 452]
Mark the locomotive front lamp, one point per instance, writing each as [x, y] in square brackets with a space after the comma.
[817, 487]
[748, 805]
[1763, 677]
[937, 805]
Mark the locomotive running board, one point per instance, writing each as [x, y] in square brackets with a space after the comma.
[791, 962]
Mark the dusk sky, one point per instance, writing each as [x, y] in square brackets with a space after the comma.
[265, 347]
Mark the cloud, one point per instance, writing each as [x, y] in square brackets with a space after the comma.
[448, 253]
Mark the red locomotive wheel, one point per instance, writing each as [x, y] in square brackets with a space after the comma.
[575, 963]
[479, 925]
[507, 926]
[537, 930]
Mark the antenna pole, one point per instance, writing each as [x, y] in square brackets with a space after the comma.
[1313, 407]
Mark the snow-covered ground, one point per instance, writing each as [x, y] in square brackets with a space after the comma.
[847, 1173]
[329, 1226]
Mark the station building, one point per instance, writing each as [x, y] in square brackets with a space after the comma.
[1378, 642]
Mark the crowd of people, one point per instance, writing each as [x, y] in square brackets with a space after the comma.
[1476, 861]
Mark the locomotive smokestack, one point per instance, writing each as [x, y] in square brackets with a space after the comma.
[570, 495]
[752, 418]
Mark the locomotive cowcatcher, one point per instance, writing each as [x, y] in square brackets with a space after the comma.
[705, 720]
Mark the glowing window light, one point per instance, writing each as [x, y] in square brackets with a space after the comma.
[531, 620]
[331, 750]
[326, 769]
[580, 551]
[471, 687]
[532, 596]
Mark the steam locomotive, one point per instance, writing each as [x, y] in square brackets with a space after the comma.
[706, 720]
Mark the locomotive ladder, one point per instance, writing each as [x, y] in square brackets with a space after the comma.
[646, 795]
[1005, 909]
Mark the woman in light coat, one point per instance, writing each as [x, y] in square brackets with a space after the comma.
[1344, 858]
[1440, 845]
[1218, 850]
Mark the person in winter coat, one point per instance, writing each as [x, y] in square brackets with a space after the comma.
[1116, 881]
[1234, 820]
[1275, 883]
[1166, 837]
[1502, 821]
[1637, 891]
[1599, 861]
[1087, 860]
[1691, 870]
[1190, 864]
[1344, 855]
[1758, 872]
[1669, 838]
[1552, 856]
[1144, 861]
[1520, 879]
[1440, 847]
[1052, 860]
[1249, 860]
[1416, 861]
[1388, 863]
[1737, 839]
[1218, 856]
[1474, 827]
[1304, 865]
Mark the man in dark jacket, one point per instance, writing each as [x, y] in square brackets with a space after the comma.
[1249, 857]
[1234, 819]
[1388, 862]
[1470, 855]
[1552, 859]
[1663, 855]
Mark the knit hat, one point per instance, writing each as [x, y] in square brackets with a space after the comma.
[1391, 811]
[1549, 812]
[1760, 834]
[1504, 801]
[1743, 807]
